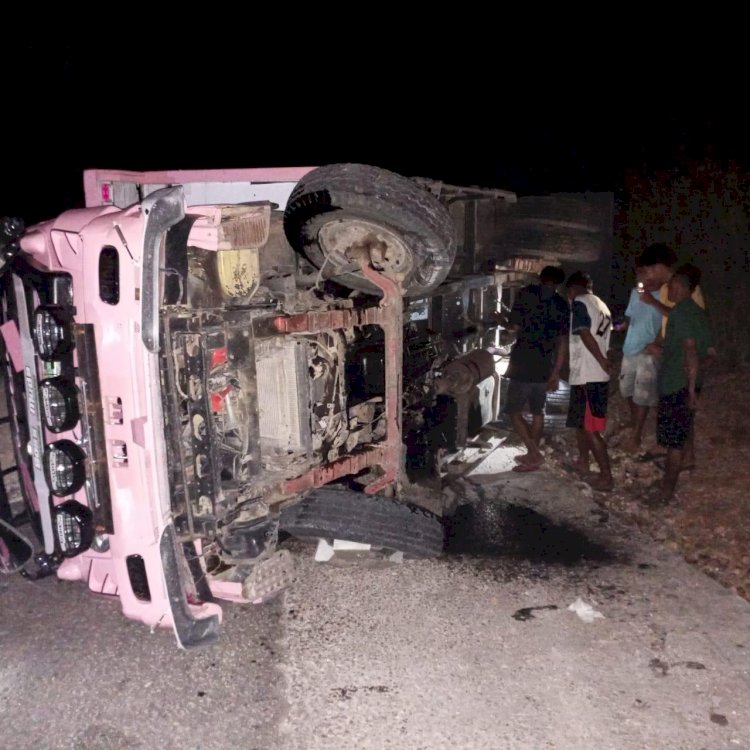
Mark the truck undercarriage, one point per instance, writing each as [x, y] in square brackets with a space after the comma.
[267, 381]
[188, 378]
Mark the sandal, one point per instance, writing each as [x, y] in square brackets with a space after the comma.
[598, 484]
[523, 458]
[642, 458]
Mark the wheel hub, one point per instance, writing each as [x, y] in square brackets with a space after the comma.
[353, 243]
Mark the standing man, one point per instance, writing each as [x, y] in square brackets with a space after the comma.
[656, 263]
[687, 342]
[540, 319]
[590, 331]
[639, 368]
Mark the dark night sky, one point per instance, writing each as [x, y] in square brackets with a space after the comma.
[466, 130]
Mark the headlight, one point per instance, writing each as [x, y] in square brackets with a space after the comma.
[75, 527]
[64, 467]
[59, 404]
[53, 334]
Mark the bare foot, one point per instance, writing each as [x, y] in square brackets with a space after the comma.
[601, 484]
[580, 468]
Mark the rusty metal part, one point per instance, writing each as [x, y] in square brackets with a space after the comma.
[387, 454]
[392, 324]
[368, 244]
[320, 475]
[327, 320]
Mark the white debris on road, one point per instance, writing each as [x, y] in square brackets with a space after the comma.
[585, 611]
[498, 459]
[326, 551]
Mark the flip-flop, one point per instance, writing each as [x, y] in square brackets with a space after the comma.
[523, 458]
[527, 467]
[643, 458]
[601, 487]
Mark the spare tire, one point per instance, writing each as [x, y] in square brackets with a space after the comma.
[343, 215]
[568, 227]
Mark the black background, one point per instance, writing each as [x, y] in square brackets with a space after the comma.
[69, 107]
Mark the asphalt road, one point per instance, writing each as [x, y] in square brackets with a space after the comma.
[475, 650]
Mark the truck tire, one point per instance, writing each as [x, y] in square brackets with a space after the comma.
[568, 228]
[328, 513]
[554, 241]
[341, 215]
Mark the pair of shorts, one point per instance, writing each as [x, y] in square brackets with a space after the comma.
[588, 406]
[639, 379]
[674, 420]
[521, 393]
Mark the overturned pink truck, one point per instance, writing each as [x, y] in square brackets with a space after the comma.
[200, 364]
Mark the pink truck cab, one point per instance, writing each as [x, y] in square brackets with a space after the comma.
[199, 362]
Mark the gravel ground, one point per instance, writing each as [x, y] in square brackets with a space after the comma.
[709, 521]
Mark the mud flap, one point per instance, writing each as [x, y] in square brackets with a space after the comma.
[189, 630]
[15, 549]
[269, 577]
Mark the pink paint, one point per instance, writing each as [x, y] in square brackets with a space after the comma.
[12, 339]
[129, 376]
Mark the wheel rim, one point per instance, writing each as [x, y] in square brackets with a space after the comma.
[351, 243]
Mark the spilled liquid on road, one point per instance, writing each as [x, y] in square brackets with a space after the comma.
[498, 529]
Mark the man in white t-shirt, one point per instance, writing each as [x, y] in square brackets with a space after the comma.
[590, 370]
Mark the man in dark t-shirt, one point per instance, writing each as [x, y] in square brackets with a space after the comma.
[540, 318]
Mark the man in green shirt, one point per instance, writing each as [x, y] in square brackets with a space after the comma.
[687, 341]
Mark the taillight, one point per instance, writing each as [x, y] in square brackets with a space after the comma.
[59, 404]
[64, 467]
